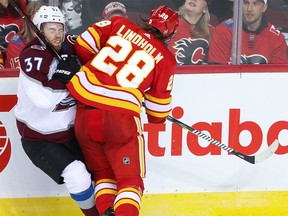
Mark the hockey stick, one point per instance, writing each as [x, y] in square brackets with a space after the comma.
[251, 159]
[35, 29]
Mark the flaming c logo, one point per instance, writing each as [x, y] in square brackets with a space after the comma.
[191, 51]
[7, 102]
[7, 32]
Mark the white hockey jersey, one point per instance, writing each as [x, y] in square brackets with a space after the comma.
[45, 110]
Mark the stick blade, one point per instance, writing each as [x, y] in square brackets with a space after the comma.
[267, 153]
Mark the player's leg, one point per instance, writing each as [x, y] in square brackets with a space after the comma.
[62, 165]
[89, 132]
[80, 187]
[124, 148]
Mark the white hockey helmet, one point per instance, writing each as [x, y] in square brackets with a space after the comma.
[48, 14]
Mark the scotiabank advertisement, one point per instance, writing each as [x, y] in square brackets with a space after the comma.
[244, 111]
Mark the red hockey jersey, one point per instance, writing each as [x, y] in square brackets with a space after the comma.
[186, 48]
[123, 64]
[265, 46]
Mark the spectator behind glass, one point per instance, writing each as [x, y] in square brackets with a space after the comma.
[191, 42]
[114, 9]
[18, 42]
[261, 42]
[10, 23]
[72, 10]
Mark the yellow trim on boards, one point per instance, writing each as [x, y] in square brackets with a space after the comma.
[265, 203]
[47, 206]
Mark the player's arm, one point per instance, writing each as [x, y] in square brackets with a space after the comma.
[158, 98]
[89, 43]
[220, 45]
[279, 55]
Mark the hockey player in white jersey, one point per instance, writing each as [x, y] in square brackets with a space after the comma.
[45, 110]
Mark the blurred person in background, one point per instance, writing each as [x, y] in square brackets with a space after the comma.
[72, 10]
[261, 42]
[11, 23]
[114, 9]
[80, 14]
[191, 42]
[222, 9]
[18, 42]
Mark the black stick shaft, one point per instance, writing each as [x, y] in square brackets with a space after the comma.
[248, 158]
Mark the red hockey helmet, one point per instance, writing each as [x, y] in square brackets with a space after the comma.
[165, 20]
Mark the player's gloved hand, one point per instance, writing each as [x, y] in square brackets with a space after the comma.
[66, 69]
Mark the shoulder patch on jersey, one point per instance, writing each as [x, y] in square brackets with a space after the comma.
[38, 47]
[71, 38]
[274, 30]
[228, 23]
[147, 35]
[17, 39]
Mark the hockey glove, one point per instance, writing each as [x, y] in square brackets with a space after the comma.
[68, 66]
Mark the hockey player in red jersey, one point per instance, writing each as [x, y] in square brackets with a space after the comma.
[45, 111]
[191, 42]
[261, 42]
[124, 65]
